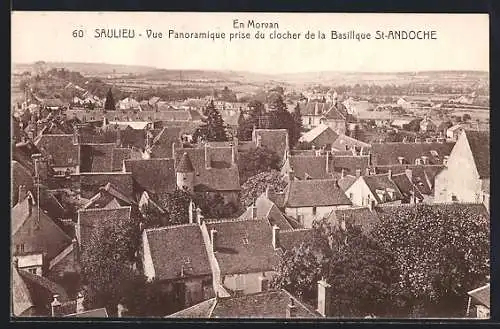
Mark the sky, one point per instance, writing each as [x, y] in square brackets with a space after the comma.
[462, 41]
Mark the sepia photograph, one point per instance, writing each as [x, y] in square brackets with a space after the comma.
[286, 166]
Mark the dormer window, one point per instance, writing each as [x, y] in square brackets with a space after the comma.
[434, 153]
[418, 161]
[391, 193]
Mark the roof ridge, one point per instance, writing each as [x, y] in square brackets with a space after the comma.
[101, 209]
[297, 230]
[232, 220]
[164, 228]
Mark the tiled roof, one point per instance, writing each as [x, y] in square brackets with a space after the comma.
[152, 175]
[162, 143]
[128, 115]
[479, 142]
[422, 175]
[312, 166]
[382, 182]
[185, 165]
[468, 208]
[20, 176]
[405, 186]
[273, 139]
[350, 163]
[314, 108]
[21, 296]
[41, 285]
[178, 248]
[49, 237]
[96, 157]
[200, 310]
[481, 295]
[268, 304]
[60, 148]
[244, 246]
[91, 183]
[318, 192]
[95, 313]
[334, 113]
[362, 216]
[22, 153]
[267, 210]
[388, 153]
[120, 154]
[290, 239]
[221, 174]
[342, 142]
[108, 194]
[346, 182]
[323, 130]
[93, 220]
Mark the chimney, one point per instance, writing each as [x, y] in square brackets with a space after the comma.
[263, 282]
[291, 175]
[233, 155]
[342, 173]
[23, 193]
[259, 141]
[191, 211]
[79, 303]
[389, 173]
[409, 173]
[118, 138]
[213, 239]
[358, 172]
[371, 204]
[276, 237]
[76, 135]
[253, 210]
[198, 215]
[41, 166]
[55, 306]
[327, 162]
[76, 250]
[30, 204]
[208, 162]
[367, 171]
[269, 193]
[120, 309]
[401, 160]
[324, 298]
[291, 309]
[173, 150]
[445, 160]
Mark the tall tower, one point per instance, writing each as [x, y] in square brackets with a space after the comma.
[185, 174]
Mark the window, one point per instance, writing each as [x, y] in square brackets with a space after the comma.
[245, 240]
[310, 121]
[20, 248]
[32, 270]
[314, 211]
[454, 198]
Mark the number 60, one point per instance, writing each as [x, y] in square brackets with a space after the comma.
[78, 34]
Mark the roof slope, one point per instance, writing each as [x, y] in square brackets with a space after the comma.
[317, 131]
[244, 246]
[273, 139]
[479, 142]
[388, 153]
[20, 176]
[178, 248]
[363, 217]
[481, 295]
[60, 148]
[153, 175]
[315, 193]
[313, 167]
[96, 157]
[290, 239]
[344, 142]
[382, 182]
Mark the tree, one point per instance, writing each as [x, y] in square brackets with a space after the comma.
[256, 185]
[257, 160]
[280, 118]
[212, 205]
[176, 207]
[246, 125]
[442, 252]
[466, 117]
[360, 271]
[213, 129]
[297, 118]
[109, 104]
[107, 263]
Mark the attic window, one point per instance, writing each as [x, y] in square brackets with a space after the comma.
[418, 161]
[245, 240]
[434, 153]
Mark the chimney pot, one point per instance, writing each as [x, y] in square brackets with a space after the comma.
[253, 210]
[291, 309]
[324, 298]
[213, 239]
[276, 237]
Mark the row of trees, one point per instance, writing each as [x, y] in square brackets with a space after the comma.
[416, 262]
